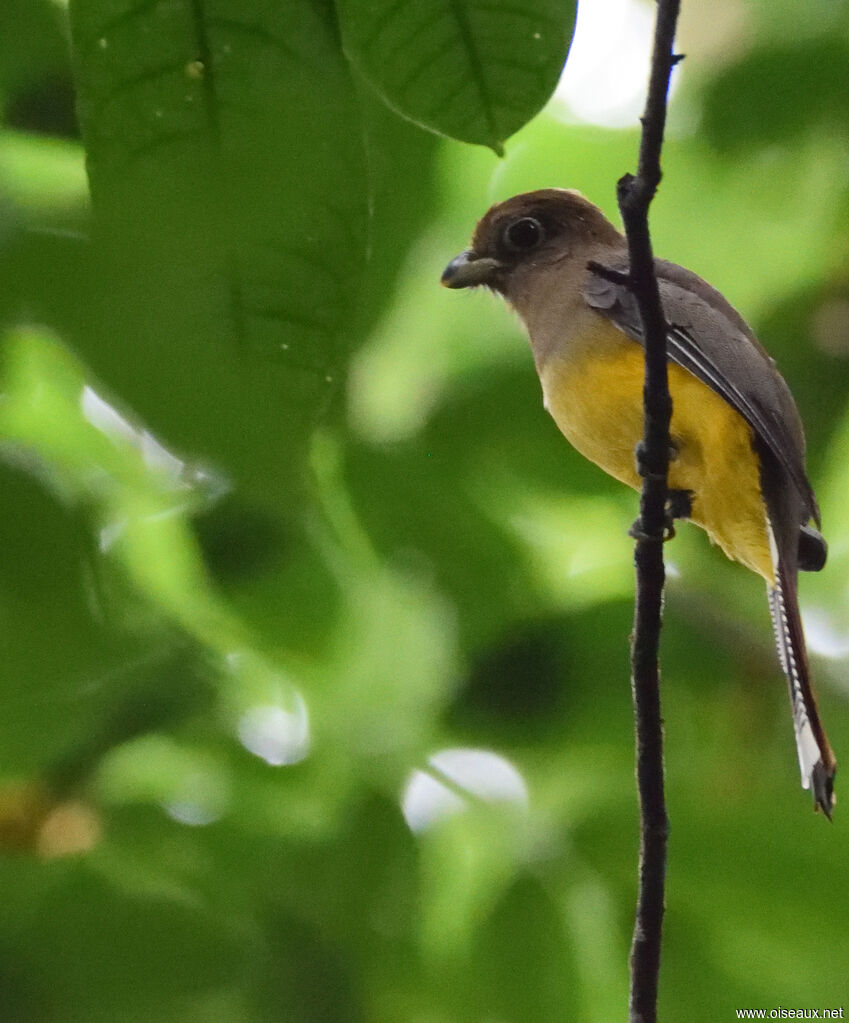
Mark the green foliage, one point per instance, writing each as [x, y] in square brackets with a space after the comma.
[315, 701]
[779, 92]
[472, 70]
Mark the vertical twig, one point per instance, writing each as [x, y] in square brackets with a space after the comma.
[635, 194]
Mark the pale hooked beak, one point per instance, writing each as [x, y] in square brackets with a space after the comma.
[468, 270]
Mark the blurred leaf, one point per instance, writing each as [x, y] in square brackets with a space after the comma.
[43, 175]
[778, 92]
[454, 508]
[534, 978]
[307, 976]
[39, 54]
[472, 70]
[44, 594]
[113, 956]
[467, 862]
[819, 385]
[490, 696]
[137, 496]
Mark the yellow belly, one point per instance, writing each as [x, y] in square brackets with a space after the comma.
[596, 398]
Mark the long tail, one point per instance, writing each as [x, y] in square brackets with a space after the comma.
[816, 761]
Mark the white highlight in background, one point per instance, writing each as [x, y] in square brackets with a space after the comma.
[470, 776]
[278, 736]
[605, 77]
[827, 636]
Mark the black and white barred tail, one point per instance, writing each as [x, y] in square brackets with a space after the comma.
[816, 760]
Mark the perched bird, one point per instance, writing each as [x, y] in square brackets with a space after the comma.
[737, 459]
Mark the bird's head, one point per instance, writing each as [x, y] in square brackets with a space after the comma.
[531, 231]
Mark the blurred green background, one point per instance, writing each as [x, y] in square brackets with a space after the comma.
[314, 702]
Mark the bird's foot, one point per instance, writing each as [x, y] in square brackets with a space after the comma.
[679, 505]
[644, 470]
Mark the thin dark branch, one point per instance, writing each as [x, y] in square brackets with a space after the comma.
[635, 194]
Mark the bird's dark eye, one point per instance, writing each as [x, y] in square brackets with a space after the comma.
[524, 234]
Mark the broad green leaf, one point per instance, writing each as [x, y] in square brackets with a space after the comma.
[227, 168]
[475, 70]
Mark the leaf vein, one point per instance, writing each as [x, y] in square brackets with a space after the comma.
[461, 17]
[118, 21]
[385, 20]
[262, 35]
[121, 88]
